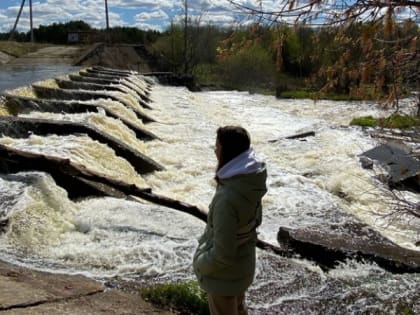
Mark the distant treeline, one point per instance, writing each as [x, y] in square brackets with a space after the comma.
[57, 33]
[359, 61]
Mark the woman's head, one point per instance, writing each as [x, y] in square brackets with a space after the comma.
[230, 142]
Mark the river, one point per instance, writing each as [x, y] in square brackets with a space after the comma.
[108, 238]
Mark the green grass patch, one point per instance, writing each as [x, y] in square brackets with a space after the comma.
[399, 121]
[185, 297]
[365, 121]
[301, 94]
[394, 121]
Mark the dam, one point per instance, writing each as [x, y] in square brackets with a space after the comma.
[97, 163]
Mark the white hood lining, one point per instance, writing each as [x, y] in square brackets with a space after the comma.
[244, 163]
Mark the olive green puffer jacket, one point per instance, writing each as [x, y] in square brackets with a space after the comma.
[224, 261]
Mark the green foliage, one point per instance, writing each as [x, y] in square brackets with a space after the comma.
[296, 94]
[393, 121]
[208, 75]
[186, 298]
[18, 36]
[399, 121]
[130, 35]
[201, 47]
[297, 50]
[170, 46]
[247, 68]
[365, 121]
[56, 33]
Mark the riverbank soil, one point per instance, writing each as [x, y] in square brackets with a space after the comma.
[50, 55]
[117, 57]
[24, 292]
[98, 54]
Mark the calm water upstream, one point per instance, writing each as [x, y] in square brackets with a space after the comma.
[12, 76]
[107, 237]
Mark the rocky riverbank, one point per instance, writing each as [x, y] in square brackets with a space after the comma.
[24, 291]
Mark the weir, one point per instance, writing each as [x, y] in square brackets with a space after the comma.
[75, 85]
[143, 93]
[23, 105]
[67, 94]
[73, 96]
[23, 127]
[77, 97]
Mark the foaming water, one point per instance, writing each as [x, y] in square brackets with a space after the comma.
[81, 150]
[314, 182]
[111, 126]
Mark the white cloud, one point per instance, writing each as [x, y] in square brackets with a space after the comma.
[144, 16]
[157, 20]
[144, 4]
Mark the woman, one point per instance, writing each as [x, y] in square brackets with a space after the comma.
[224, 261]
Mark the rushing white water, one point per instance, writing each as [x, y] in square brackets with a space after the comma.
[313, 182]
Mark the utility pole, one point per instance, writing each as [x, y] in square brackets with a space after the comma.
[106, 14]
[30, 18]
[107, 21]
[185, 37]
[12, 33]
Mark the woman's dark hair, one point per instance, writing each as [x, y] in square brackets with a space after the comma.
[233, 140]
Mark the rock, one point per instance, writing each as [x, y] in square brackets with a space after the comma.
[366, 162]
[351, 240]
[30, 292]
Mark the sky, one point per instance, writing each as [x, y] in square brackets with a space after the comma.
[144, 14]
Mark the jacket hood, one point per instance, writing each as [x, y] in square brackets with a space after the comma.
[244, 163]
[246, 175]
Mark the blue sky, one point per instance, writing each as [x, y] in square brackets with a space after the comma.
[145, 14]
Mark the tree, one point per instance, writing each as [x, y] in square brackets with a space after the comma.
[389, 57]
[332, 12]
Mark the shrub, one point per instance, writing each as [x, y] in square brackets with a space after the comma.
[248, 67]
[186, 297]
[399, 121]
[393, 121]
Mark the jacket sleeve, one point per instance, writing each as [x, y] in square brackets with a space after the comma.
[224, 248]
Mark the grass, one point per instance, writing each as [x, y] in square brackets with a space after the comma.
[18, 49]
[365, 121]
[185, 297]
[393, 121]
[300, 94]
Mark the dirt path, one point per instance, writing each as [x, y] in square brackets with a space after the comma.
[24, 292]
